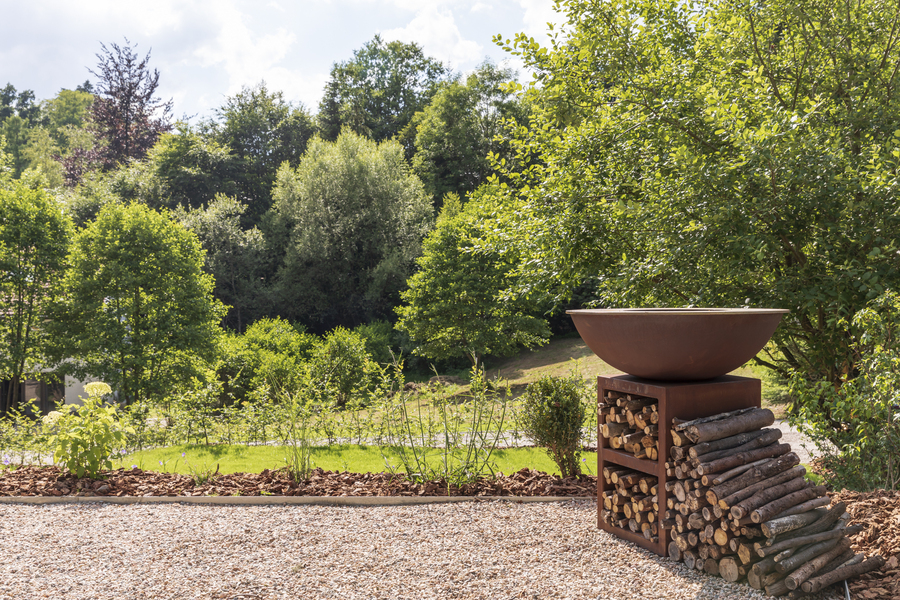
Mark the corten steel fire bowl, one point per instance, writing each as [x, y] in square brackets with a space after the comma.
[676, 344]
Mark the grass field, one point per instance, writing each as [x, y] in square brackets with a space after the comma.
[352, 458]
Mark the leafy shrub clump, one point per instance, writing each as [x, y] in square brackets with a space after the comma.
[857, 425]
[552, 413]
[85, 440]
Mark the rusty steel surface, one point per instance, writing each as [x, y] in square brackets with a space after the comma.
[677, 344]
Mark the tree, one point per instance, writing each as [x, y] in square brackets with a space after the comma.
[455, 305]
[234, 257]
[264, 131]
[376, 93]
[126, 112]
[136, 309]
[34, 238]
[717, 154]
[459, 129]
[68, 109]
[357, 218]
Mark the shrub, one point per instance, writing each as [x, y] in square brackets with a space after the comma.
[85, 439]
[858, 423]
[551, 414]
[341, 369]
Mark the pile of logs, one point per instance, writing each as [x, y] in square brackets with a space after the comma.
[739, 506]
[633, 503]
[630, 423]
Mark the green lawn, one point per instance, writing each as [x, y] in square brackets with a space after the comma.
[352, 458]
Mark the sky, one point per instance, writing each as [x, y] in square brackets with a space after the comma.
[207, 50]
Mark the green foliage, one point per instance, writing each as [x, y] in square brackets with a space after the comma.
[376, 93]
[457, 443]
[192, 169]
[455, 304]
[85, 440]
[715, 154]
[459, 128]
[235, 257]
[552, 414]
[340, 369]
[264, 131]
[135, 307]
[357, 219]
[34, 240]
[379, 339]
[860, 432]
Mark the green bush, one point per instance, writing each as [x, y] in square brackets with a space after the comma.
[340, 369]
[857, 425]
[84, 440]
[552, 413]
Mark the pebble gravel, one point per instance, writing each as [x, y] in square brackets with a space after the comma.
[491, 550]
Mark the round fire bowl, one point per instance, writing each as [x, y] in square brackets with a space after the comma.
[676, 344]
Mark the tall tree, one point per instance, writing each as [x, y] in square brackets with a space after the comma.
[357, 218]
[127, 113]
[135, 308]
[264, 131]
[455, 304]
[378, 91]
[721, 153]
[461, 126]
[235, 257]
[34, 238]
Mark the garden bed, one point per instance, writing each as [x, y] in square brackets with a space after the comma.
[53, 481]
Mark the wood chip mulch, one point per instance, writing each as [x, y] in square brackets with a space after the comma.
[52, 481]
[879, 511]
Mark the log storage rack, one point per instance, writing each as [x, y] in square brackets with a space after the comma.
[685, 400]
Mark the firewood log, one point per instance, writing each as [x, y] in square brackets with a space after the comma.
[731, 492]
[689, 557]
[739, 486]
[680, 439]
[681, 425]
[767, 495]
[814, 585]
[805, 554]
[766, 512]
[717, 478]
[823, 523]
[741, 422]
[780, 525]
[695, 451]
[742, 458]
[711, 566]
[808, 539]
[768, 438]
[804, 572]
[675, 551]
[611, 429]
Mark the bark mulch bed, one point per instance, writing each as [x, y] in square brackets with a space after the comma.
[879, 511]
[52, 481]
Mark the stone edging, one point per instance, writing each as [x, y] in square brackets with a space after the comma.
[284, 500]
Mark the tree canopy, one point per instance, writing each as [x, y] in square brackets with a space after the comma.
[716, 154]
[455, 305]
[135, 308]
[357, 218]
[378, 91]
[34, 240]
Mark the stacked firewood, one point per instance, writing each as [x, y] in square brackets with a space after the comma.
[740, 507]
[632, 502]
[630, 423]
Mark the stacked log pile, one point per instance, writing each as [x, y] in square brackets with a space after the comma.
[632, 503]
[740, 507]
[630, 423]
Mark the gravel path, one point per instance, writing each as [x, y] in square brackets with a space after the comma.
[490, 550]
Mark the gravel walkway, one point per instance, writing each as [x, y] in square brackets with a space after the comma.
[490, 550]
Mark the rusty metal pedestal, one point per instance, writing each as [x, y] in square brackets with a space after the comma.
[681, 399]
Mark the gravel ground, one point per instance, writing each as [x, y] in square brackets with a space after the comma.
[491, 550]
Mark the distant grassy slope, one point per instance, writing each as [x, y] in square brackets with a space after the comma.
[560, 356]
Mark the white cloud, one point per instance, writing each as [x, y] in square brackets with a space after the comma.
[435, 29]
[537, 14]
